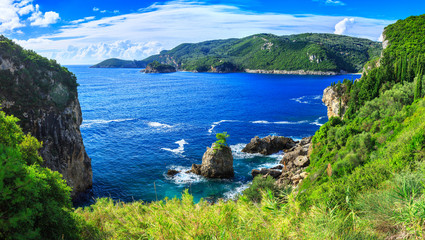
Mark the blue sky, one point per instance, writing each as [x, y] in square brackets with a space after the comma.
[86, 32]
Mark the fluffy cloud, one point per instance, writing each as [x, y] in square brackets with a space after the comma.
[82, 20]
[344, 25]
[15, 14]
[38, 19]
[165, 26]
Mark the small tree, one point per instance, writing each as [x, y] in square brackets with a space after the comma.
[418, 87]
[221, 140]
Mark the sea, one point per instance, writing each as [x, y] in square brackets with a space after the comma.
[136, 126]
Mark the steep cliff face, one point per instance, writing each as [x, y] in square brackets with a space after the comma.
[334, 99]
[43, 95]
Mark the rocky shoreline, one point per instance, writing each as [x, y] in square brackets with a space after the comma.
[295, 72]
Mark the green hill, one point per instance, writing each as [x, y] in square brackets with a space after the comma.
[309, 52]
[119, 63]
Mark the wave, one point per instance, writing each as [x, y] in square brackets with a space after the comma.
[158, 125]
[215, 124]
[179, 150]
[307, 99]
[183, 177]
[89, 123]
[280, 122]
[317, 121]
[234, 193]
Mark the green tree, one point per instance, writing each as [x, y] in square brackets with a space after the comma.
[418, 87]
[34, 201]
[221, 140]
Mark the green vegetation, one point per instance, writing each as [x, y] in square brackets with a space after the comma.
[310, 51]
[36, 82]
[221, 140]
[34, 201]
[316, 52]
[366, 176]
[156, 67]
[119, 63]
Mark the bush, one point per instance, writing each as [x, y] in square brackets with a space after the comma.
[34, 201]
[260, 185]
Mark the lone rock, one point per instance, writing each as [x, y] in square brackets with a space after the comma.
[268, 145]
[215, 163]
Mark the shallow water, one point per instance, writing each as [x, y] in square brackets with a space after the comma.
[137, 126]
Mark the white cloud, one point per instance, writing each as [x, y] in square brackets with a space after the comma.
[95, 9]
[82, 20]
[116, 11]
[334, 2]
[14, 14]
[132, 36]
[38, 19]
[344, 25]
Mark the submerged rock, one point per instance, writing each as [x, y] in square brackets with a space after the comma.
[172, 172]
[268, 145]
[215, 163]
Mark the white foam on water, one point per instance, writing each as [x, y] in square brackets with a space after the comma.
[89, 123]
[215, 124]
[184, 178]
[317, 97]
[300, 100]
[317, 121]
[234, 193]
[158, 125]
[279, 122]
[179, 150]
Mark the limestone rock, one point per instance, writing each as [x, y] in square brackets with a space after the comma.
[333, 99]
[215, 163]
[301, 161]
[172, 172]
[268, 145]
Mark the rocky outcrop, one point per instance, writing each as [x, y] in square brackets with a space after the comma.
[335, 100]
[156, 67]
[293, 165]
[268, 145]
[216, 163]
[295, 72]
[43, 95]
[225, 67]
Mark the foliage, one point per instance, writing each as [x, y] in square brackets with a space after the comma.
[34, 82]
[316, 52]
[221, 140]
[259, 186]
[155, 65]
[34, 201]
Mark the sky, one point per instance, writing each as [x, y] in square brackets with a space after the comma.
[89, 31]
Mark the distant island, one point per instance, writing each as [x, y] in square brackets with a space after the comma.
[156, 67]
[309, 53]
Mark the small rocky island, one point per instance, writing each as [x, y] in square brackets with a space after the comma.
[268, 145]
[156, 67]
[217, 162]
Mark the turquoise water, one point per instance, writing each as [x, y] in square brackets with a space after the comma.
[137, 126]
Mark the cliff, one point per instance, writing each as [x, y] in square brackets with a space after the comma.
[334, 97]
[43, 95]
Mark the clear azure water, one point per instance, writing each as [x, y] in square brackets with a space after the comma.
[137, 126]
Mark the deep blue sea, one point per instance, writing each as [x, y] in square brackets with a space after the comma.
[137, 126]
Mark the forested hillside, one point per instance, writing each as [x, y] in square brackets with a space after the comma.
[309, 52]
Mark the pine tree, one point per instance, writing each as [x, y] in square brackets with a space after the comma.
[418, 87]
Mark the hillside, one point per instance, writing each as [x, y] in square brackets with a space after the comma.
[309, 52]
[119, 63]
[43, 95]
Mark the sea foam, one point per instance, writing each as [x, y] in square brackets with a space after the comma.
[89, 123]
[179, 150]
[184, 177]
[215, 124]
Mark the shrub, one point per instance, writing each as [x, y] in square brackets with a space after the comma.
[259, 185]
[34, 201]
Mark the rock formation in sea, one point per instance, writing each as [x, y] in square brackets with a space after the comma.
[43, 95]
[268, 145]
[333, 98]
[216, 163]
